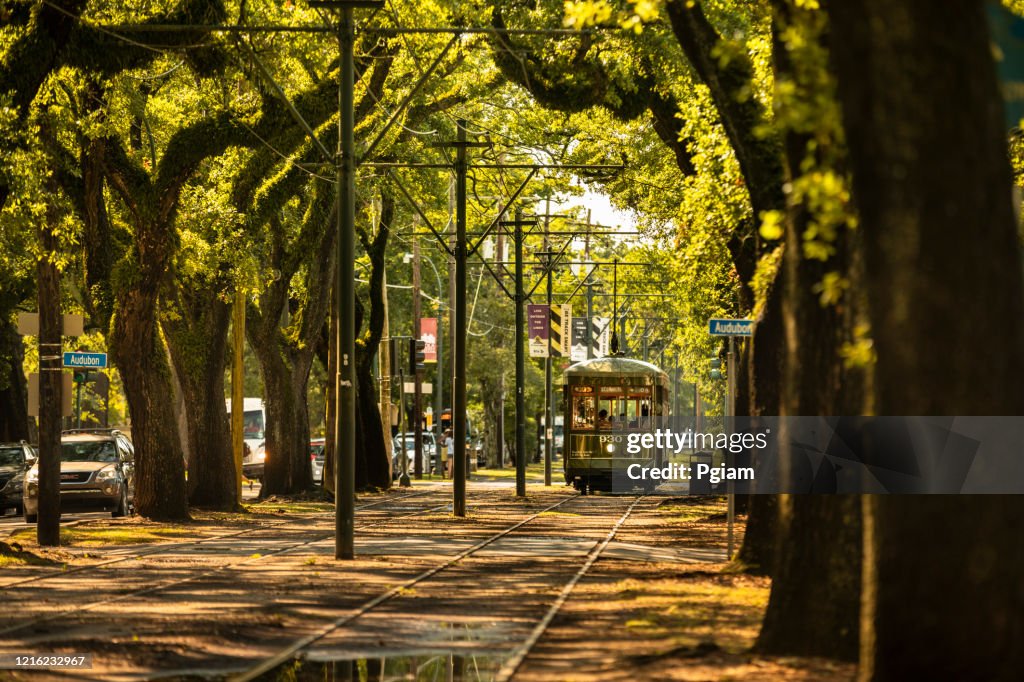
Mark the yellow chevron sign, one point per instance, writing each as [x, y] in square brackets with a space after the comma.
[561, 323]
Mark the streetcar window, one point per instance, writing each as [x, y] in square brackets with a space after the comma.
[583, 412]
[629, 413]
[606, 413]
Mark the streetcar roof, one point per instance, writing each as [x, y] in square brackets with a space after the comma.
[597, 367]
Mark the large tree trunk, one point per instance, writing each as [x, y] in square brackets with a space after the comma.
[285, 378]
[140, 356]
[14, 424]
[372, 466]
[199, 352]
[943, 594]
[326, 350]
[757, 554]
[812, 610]
[816, 572]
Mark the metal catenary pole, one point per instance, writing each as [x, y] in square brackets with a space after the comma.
[459, 341]
[549, 431]
[417, 399]
[520, 360]
[403, 480]
[238, 390]
[50, 394]
[345, 381]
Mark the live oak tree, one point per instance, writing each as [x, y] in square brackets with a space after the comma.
[932, 184]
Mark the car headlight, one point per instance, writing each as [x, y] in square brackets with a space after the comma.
[32, 476]
[106, 474]
[261, 456]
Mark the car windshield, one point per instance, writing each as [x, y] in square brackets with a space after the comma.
[10, 456]
[89, 451]
[253, 424]
[410, 440]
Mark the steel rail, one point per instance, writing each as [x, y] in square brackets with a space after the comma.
[512, 665]
[287, 653]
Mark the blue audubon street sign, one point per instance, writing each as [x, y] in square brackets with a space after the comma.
[85, 360]
[726, 327]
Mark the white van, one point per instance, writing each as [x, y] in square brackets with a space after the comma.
[254, 420]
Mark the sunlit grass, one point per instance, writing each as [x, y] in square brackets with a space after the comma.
[98, 536]
[534, 472]
[697, 607]
[287, 507]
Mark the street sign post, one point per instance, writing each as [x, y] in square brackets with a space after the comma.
[730, 327]
[84, 360]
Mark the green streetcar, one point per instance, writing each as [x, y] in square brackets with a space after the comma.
[604, 401]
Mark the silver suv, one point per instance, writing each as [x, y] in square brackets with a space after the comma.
[97, 473]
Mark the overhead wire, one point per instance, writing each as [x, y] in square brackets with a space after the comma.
[159, 49]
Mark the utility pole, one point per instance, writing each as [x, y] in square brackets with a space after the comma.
[452, 201]
[549, 432]
[499, 436]
[590, 294]
[345, 379]
[520, 299]
[385, 363]
[403, 480]
[417, 397]
[616, 343]
[459, 342]
[238, 390]
[51, 401]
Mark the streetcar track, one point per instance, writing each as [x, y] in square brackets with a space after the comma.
[289, 652]
[167, 547]
[323, 535]
[519, 655]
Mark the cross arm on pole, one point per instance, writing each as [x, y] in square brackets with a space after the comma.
[497, 279]
[419, 212]
[501, 213]
[582, 282]
[550, 266]
[408, 98]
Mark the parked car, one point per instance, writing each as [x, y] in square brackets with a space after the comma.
[478, 449]
[97, 473]
[316, 459]
[252, 461]
[430, 459]
[15, 459]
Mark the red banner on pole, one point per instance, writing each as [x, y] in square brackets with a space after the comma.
[428, 334]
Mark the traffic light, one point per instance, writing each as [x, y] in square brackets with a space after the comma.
[393, 357]
[716, 367]
[81, 377]
[417, 355]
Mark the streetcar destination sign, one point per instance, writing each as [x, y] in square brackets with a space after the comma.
[85, 360]
[727, 327]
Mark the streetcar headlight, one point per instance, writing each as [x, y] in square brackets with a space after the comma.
[610, 447]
